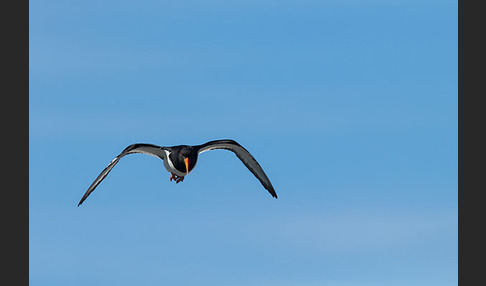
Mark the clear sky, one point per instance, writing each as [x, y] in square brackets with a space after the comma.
[349, 106]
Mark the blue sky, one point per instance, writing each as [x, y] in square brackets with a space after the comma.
[349, 106]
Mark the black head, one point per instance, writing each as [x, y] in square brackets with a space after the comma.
[184, 158]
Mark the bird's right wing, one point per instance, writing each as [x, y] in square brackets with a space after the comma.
[149, 149]
[245, 157]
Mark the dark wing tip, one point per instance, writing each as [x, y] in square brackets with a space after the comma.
[272, 192]
[81, 201]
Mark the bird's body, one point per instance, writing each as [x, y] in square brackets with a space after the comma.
[180, 160]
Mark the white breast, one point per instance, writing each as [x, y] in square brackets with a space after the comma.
[170, 167]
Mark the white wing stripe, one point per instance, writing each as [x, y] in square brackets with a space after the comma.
[248, 160]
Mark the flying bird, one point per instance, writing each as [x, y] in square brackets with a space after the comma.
[180, 160]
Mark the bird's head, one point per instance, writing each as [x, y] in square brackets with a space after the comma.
[188, 155]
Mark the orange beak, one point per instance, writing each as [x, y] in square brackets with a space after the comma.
[187, 165]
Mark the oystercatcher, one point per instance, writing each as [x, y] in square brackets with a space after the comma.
[180, 160]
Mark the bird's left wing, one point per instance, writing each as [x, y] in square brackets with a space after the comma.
[245, 157]
[149, 149]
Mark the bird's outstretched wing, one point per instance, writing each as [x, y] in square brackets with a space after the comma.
[245, 157]
[149, 149]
